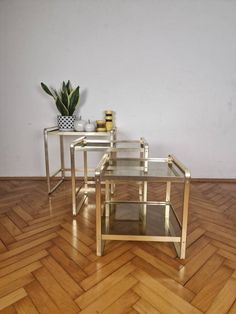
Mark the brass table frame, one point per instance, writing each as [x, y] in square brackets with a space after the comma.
[85, 145]
[100, 176]
[54, 131]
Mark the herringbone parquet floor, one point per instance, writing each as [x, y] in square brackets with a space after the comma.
[48, 262]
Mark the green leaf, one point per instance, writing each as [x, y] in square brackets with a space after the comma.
[64, 86]
[69, 87]
[55, 92]
[64, 97]
[47, 90]
[61, 107]
[73, 99]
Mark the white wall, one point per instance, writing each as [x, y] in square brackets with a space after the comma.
[167, 68]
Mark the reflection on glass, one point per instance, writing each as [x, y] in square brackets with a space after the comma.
[126, 220]
[143, 168]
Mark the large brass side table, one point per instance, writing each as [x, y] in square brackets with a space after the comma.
[113, 148]
[160, 221]
[54, 131]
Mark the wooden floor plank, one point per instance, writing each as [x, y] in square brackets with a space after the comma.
[62, 277]
[110, 256]
[41, 299]
[25, 306]
[221, 237]
[12, 297]
[123, 304]
[75, 242]
[27, 246]
[195, 235]
[36, 230]
[5, 236]
[95, 292]
[195, 248]
[9, 310]
[61, 298]
[173, 262]
[230, 264]
[180, 304]
[132, 311]
[225, 298]
[25, 241]
[163, 267]
[156, 301]
[10, 226]
[26, 261]
[22, 213]
[102, 273]
[70, 251]
[227, 255]
[20, 282]
[20, 273]
[75, 231]
[196, 263]
[223, 246]
[68, 264]
[232, 310]
[198, 281]
[18, 221]
[110, 296]
[25, 254]
[168, 282]
[43, 246]
[2, 247]
[47, 220]
[206, 296]
[143, 307]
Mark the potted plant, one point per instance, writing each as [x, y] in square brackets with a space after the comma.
[66, 101]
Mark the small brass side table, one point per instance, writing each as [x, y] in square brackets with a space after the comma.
[54, 131]
[112, 148]
[160, 221]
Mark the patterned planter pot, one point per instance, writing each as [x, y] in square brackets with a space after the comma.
[66, 123]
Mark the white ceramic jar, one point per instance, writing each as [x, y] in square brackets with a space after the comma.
[89, 127]
[79, 125]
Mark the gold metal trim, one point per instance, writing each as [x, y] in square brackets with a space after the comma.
[128, 237]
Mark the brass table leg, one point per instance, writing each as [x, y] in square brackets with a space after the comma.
[98, 218]
[167, 207]
[47, 167]
[185, 218]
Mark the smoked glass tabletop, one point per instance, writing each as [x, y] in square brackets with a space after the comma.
[150, 169]
[125, 220]
[109, 145]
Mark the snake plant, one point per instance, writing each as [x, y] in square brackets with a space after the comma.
[66, 99]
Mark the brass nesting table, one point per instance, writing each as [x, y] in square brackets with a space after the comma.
[146, 220]
[54, 131]
[111, 147]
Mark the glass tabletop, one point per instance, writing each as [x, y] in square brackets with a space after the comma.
[111, 146]
[151, 168]
[125, 220]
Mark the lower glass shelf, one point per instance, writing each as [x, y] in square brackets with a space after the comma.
[135, 219]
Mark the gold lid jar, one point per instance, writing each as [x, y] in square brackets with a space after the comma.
[109, 125]
[109, 122]
[109, 112]
[101, 125]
